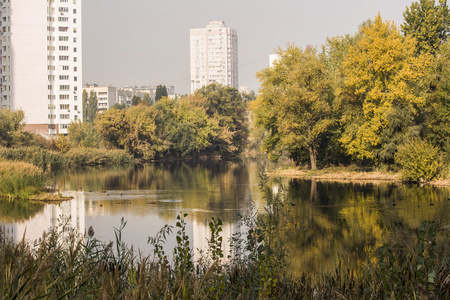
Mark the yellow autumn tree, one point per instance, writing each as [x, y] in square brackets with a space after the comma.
[294, 104]
[380, 95]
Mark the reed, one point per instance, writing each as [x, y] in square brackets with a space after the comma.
[20, 180]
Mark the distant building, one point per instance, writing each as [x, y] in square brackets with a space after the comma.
[41, 62]
[214, 55]
[106, 96]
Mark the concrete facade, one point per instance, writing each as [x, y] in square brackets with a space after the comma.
[214, 56]
[41, 65]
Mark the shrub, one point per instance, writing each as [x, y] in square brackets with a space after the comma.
[419, 160]
[20, 180]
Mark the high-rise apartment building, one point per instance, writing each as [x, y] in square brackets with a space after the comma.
[214, 55]
[41, 62]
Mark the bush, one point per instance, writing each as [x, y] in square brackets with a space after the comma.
[419, 160]
[20, 180]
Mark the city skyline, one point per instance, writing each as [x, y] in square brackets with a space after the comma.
[138, 42]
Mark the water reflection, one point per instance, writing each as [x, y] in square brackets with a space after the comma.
[327, 220]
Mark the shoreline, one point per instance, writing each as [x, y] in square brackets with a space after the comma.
[342, 174]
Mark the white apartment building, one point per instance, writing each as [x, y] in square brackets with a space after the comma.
[214, 55]
[41, 62]
[106, 96]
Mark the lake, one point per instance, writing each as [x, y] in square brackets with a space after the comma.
[328, 220]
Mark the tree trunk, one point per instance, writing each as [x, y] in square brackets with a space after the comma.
[313, 156]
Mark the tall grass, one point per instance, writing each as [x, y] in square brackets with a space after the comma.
[75, 157]
[65, 264]
[20, 180]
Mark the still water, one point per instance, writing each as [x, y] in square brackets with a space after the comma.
[328, 221]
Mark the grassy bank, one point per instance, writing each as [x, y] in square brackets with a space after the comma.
[75, 157]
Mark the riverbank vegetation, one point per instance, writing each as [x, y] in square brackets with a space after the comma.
[375, 98]
[66, 263]
[19, 180]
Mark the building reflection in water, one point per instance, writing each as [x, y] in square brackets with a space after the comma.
[64, 216]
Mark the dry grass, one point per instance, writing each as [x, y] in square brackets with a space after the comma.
[339, 174]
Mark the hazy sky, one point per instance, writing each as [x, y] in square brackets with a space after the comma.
[146, 42]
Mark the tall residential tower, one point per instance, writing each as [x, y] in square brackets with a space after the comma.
[214, 56]
[41, 63]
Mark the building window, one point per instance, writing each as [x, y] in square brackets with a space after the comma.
[75, 78]
[63, 9]
[63, 38]
[64, 106]
[63, 77]
[64, 87]
[64, 117]
[63, 126]
[75, 107]
[64, 97]
[63, 48]
[65, 68]
[63, 57]
[51, 117]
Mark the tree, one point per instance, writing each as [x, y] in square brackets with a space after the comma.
[437, 109]
[89, 106]
[161, 91]
[294, 104]
[85, 105]
[147, 100]
[379, 99]
[428, 22]
[12, 128]
[135, 101]
[225, 105]
[133, 129]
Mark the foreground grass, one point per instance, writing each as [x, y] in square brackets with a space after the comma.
[67, 265]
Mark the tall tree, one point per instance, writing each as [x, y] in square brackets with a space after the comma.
[294, 104]
[379, 100]
[147, 100]
[92, 107]
[225, 105]
[428, 22]
[437, 109]
[135, 101]
[161, 91]
[85, 105]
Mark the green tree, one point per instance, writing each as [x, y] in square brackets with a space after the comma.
[147, 100]
[12, 128]
[120, 105]
[380, 99]
[90, 104]
[428, 22]
[225, 105]
[85, 104]
[85, 135]
[135, 101]
[437, 109]
[133, 129]
[161, 91]
[294, 104]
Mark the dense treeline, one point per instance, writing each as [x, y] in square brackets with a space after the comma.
[210, 123]
[378, 97]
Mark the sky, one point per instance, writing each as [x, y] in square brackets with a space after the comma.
[146, 42]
